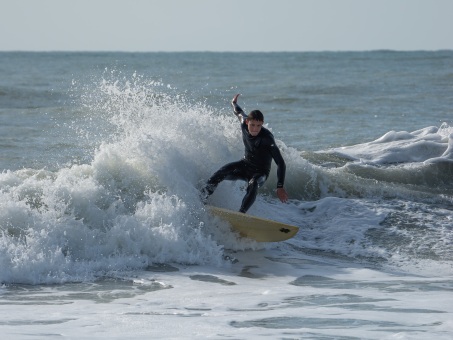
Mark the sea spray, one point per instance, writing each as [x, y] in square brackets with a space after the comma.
[133, 205]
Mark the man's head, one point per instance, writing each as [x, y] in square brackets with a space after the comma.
[255, 121]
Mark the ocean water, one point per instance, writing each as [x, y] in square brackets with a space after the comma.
[103, 236]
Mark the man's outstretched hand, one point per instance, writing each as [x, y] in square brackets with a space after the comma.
[282, 195]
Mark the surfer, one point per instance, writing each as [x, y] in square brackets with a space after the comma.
[254, 168]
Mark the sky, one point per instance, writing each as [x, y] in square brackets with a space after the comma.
[225, 25]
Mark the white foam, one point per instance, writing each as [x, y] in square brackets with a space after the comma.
[401, 147]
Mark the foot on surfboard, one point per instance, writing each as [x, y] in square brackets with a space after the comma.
[231, 259]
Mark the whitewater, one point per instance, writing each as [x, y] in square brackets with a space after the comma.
[103, 235]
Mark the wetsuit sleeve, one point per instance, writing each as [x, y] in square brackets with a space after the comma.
[281, 165]
[239, 112]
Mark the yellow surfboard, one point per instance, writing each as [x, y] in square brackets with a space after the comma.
[255, 228]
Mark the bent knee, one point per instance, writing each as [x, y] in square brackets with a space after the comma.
[257, 181]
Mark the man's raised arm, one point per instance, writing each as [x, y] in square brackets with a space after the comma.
[237, 109]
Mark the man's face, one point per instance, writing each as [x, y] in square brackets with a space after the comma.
[254, 126]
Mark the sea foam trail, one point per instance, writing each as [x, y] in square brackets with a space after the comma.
[424, 145]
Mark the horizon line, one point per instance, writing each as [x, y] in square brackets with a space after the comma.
[213, 51]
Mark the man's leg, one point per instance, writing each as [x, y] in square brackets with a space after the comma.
[231, 171]
[252, 190]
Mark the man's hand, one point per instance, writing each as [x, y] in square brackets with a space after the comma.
[235, 99]
[282, 195]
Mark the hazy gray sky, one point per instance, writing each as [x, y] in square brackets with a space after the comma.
[225, 25]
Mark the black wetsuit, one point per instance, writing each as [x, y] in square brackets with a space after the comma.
[254, 168]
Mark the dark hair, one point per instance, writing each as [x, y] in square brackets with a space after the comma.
[256, 115]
